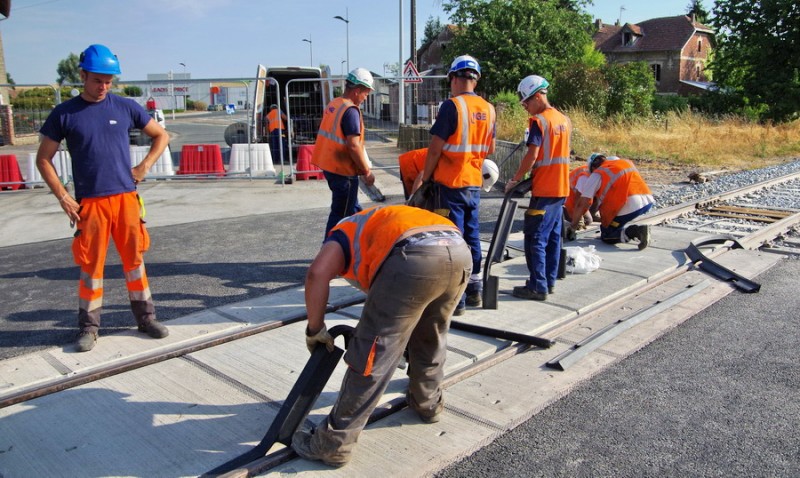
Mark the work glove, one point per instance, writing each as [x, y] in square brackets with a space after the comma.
[571, 234]
[321, 337]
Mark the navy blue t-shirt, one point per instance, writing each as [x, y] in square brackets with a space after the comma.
[351, 122]
[534, 134]
[97, 140]
[446, 121]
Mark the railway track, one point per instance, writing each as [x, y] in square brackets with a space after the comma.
[742, 214]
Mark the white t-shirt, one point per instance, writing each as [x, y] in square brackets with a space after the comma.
[591, 185]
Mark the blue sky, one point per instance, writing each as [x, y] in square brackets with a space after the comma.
[229, 38]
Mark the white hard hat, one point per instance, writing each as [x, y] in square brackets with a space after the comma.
[362, 77]
[530, 85]
[490, 173]
[466, 64]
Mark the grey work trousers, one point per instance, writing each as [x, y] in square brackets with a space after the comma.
[409, 303]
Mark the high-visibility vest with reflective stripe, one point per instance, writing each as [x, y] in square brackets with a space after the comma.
[619, 180]
[463, 153]
[372, 234]
[330, 149]
[551, 166]
[574, 176]
[274, 120]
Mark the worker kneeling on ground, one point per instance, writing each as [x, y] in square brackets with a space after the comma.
[414, 266]
[577, 177]
[621, 195]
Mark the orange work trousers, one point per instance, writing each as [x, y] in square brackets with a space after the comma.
[103, 218]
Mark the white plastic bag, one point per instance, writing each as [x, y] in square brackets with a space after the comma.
[582, 260]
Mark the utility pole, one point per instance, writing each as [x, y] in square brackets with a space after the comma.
[414, 59]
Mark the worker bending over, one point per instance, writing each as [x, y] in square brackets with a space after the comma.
[414, 266]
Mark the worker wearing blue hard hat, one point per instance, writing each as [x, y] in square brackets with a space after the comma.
[104, 204]
[461, 139]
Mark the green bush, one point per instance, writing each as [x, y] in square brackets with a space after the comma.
[666, 103]
[582, 87]
[631, 89]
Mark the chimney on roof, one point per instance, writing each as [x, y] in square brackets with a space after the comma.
[694, 17]
[598, 24]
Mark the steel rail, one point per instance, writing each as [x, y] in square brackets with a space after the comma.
[70, 381]
[683, 208]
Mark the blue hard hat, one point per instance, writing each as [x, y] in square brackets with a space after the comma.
[465, 62]
[99, 59]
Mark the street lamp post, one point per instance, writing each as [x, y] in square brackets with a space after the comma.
[310, 50]
[346, 20]
[185, 86]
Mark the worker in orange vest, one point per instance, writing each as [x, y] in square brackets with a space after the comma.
[621, 195]
[576, 179]
[339, 149]
[413, 265]
[547, 160]
[276, 129]
[461, 138]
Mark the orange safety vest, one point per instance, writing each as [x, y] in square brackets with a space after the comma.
[373, 232]
[619, 180]
[411, 164]
[551, 166]
[574, 194]
[274, 120]
[330, 149]
[463, 153]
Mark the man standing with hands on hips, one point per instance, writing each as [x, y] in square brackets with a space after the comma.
[461, 138]
[547, 159]
[339, 148]
[106, 204]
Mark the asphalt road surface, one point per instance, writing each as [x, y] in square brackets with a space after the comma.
[191, 267]
[718, 396]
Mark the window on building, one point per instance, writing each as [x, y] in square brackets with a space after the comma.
[656, 71]
[627, 38]
[698, 71]
[700, 44]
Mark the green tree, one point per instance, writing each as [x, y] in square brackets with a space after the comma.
[515, 38]
[697, 9]
[132, 91]
[433, 27]
[582, 87]
[9, 80]
[631, 88]
[757, 59]
[68, 70]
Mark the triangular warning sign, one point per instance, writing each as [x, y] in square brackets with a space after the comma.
[411, 74]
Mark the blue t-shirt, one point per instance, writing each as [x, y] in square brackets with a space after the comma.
[446, 121]
[97, 140]
[534, 134]
[351, 122]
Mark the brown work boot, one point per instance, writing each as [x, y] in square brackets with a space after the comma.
[86, 341]
[643, 236]
[427, 416]
[154, 329]
[301, 444]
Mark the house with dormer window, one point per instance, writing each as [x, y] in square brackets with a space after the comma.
[676, 48]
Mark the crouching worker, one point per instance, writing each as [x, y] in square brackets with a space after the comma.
[621, 195]
[577, 177]
[414, 266]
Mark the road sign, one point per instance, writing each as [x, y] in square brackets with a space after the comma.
[410, 73]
